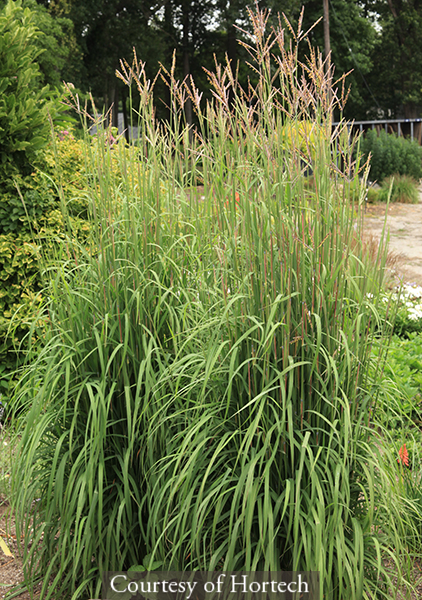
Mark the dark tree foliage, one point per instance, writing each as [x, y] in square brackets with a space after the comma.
[397, 58]
[380, 41]
[352, 40]
[189, 29]
[377, 40]
[106, 31]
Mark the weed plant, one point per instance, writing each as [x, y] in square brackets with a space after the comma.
[204, 394]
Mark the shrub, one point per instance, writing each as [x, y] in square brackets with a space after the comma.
[24, 127]
[25, 110]
[303, 136]
[23, 259]
[399, 416]
[203, 394]
[25, 130]
[391, 154]
[372, 195]
[19, 286]
[402, 411]
[32, 225]
[399, 188]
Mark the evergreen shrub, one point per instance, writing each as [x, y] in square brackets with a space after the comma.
[24, 104]
[391, 154]
[31, 227]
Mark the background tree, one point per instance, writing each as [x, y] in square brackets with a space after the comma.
[105, 32]
[188, 29]
[353, 39]
[397, 57]
[25, 105]
[378, 40]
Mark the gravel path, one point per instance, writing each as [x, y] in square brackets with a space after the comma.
[404, 223]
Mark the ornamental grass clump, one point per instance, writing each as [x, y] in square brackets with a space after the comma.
[203, 397]
[399, 188]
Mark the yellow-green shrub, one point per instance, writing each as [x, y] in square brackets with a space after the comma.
[31, 226]
[304, 136]
[20, 287]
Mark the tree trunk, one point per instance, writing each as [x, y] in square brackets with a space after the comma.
[170, 45]
[232, 45]
[115, 114]
[327, 46]
[186, 59]
[411, 110]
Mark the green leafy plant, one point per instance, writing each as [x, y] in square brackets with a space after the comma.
[26, 202]
[19, 288]
[33, 225]
[410, 480]
[401, 410]
[372, 195]
[147, 565]
[403, 306]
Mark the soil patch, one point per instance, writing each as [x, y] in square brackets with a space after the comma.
[404, 225]
[11, 573]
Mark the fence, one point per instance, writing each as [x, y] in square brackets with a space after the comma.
[403, 127]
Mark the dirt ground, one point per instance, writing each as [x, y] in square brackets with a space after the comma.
[404, 222]
[11, 572]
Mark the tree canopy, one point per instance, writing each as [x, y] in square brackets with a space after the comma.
[397, 58]
[378, 40]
